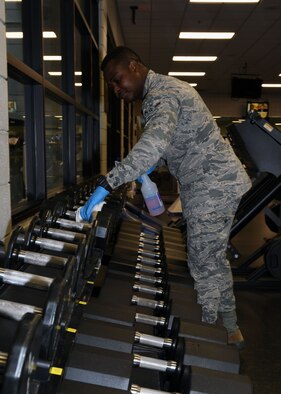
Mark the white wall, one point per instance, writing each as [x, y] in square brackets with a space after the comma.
[5, 207]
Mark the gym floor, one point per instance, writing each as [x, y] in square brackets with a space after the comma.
[259, 319]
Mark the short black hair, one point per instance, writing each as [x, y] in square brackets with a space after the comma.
[121, 54]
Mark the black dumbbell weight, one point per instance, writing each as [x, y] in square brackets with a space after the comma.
[18, 360]
[54, 304]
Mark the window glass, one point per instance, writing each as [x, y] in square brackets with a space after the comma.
[14, 33]
[51, 42]
[54, 145]
[78, 66]
[16, 141]
[79, 148]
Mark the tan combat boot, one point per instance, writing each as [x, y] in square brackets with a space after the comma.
[236, 339]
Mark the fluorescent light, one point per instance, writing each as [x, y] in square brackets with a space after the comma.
[13, 1]
[51, 58]
[192, 84]
[279, 75]
[14, 34]
[194, 58]
[187, 73]
[277, 124]
[224, 1]
[271, 85]
[78, 73]
[55, 73]
[78, 84]
[216, 117]
[49, 34]
[206, 35]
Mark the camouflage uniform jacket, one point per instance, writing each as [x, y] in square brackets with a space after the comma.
[179, 128]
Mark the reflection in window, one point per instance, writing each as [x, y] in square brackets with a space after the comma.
[16, 141]
[79, 148]
[54, 145]
[14, 33]
[52, 47]
[78, 66]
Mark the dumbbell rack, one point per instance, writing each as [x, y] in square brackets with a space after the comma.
[113, 306]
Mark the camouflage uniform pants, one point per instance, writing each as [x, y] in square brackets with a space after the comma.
[207, 238]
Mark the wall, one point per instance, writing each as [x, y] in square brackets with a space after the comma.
[229, 107]
[5, 212]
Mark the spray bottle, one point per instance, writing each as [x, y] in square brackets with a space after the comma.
[151, 196]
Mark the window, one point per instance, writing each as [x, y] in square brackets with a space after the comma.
[17, 142]
[54, 145]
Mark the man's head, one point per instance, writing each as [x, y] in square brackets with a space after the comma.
[125, 73]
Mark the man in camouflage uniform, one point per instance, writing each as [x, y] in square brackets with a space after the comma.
[179, 128]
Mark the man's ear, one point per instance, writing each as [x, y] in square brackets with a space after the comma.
[133, 65]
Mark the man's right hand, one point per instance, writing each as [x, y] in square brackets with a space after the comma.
[97, 197]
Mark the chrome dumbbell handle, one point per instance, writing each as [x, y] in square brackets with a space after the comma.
[149, 261]
[71, 224]
[148, 289]
[151, 340]
[16, 311]
[54, 245]
[65, 235]
[150, 320]
[41, 259]
[148, 270]
[147, 303]
[19, 278]
[154, 363]
[148, 278]
[135, 389]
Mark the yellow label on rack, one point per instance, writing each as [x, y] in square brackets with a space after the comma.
[73, 330]
[56, 371]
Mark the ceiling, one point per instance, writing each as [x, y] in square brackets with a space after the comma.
[152, 30]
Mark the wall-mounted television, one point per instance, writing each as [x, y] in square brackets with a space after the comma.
[261, 107]
[243, 87]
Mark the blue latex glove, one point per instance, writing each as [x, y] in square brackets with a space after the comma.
[147, 172]
[98, 196]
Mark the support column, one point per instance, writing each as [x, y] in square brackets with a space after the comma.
[5, 211]
[122, 130]
[103, 114]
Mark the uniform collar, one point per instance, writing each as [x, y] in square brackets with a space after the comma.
[148, 83]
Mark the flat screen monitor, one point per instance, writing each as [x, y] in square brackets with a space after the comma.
[261, 107]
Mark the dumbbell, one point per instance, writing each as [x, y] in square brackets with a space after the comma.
[210, 354]
[29, 240]
[70, 224]
[54, 304]
[126, 290]
[19, 344]
[72, 387]
[114, 369]
[136, 239]
[16, 256]
[43, 229]
[126, 339]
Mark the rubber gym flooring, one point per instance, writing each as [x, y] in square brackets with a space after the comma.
[259, 314]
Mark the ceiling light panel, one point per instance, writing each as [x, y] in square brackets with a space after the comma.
[206, 35]
[187, 73]
[225, 1]
[51, 58]
[194, 58]
[271, 85]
